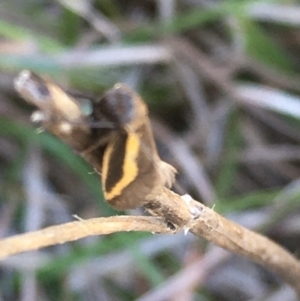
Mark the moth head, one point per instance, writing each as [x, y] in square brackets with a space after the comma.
[121, 106]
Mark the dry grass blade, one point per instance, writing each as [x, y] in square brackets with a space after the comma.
[102, 24]
[193, 275]
[115, 56]
[273, 12]
[268, 98]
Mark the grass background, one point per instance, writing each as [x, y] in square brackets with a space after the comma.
[221, 79]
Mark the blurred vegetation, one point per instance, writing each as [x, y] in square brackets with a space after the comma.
[245, 146]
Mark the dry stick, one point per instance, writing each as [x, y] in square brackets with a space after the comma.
[181, 213]
[79, 229]
[239, 240]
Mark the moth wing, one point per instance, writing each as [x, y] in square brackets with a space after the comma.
[167, 173]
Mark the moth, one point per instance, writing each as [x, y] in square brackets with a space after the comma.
[119, 136]
[131, 167]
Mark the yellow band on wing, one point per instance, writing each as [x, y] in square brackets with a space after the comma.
[130, 167]
[105, 163]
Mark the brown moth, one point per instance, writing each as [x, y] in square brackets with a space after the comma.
[131, 168]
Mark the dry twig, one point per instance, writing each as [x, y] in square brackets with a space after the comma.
[79, 229]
